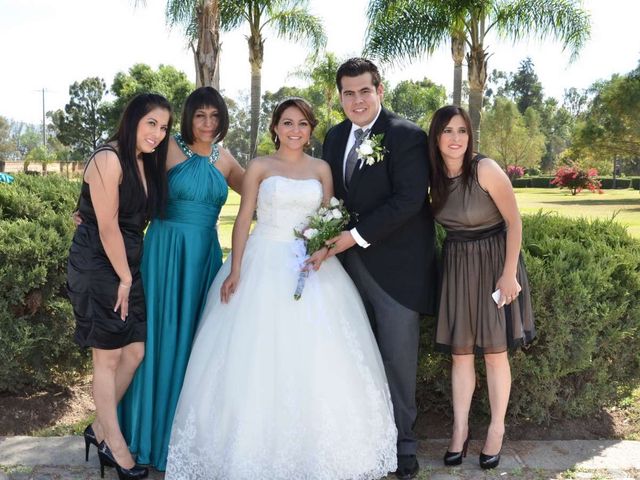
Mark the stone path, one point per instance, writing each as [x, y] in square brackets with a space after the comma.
[32, 458]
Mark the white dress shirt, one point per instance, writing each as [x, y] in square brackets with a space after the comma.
[352, 139]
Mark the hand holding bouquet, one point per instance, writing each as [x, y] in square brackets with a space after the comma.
[323, 225]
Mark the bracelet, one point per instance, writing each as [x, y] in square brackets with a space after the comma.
[125, 286]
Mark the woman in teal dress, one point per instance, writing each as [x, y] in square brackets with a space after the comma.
[181, 257]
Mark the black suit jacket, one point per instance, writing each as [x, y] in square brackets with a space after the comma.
[389, 207]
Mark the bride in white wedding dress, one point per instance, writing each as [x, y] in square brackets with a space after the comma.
[278, 388]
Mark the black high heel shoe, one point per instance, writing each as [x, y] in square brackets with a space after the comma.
[106, 458]
[455, 458]
[489, 461]
[89, 439]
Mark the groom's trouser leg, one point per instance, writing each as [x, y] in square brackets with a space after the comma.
[397, 331]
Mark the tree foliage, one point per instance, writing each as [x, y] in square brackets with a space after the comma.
[417, 100]
[167, 81]
[406, 29]
[511, 138]
[288, 19]
[610, 127]
[82, 124]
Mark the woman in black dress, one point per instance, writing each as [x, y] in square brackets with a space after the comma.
[124, 184]
[473, 200]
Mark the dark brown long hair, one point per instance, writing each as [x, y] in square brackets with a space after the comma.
[297, 102]
[440, 181]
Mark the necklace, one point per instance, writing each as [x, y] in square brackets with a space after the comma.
[212, 157]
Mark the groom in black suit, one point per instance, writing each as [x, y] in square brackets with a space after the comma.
[388, 246]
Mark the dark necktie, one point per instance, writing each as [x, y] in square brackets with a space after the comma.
[352, 157]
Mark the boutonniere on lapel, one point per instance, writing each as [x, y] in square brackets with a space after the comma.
[371, 149]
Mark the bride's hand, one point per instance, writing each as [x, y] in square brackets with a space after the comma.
[315, 260]
[229, 287]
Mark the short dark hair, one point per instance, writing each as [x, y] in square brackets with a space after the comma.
[357, 66]
[200, 98]
[297, 102]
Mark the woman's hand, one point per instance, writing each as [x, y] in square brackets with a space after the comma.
[229, 286]
[122, 300]
[315, 260]
[77, 219]
[509, 289]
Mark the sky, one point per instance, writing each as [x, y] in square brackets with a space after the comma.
[49, 45]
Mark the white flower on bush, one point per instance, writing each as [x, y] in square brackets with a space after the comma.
[310, 233]
[336, 213]
[328, 216]
[334, 202]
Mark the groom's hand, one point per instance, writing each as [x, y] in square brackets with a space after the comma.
[340, 243]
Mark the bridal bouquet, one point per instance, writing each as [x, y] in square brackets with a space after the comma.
[323, 225]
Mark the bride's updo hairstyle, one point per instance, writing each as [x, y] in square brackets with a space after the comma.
[297, 102]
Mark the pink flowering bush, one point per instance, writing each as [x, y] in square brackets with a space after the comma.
[514, 171]
[576, 179]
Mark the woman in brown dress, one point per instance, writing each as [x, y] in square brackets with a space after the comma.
[473, 200]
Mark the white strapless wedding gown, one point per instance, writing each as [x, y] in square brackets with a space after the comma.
[278, 388]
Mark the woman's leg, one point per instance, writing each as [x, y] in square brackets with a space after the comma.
[105, 368]
[130, 359]
[499, 385]
[463, 382]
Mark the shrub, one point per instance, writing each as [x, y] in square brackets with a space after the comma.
[533, 171]
[621, 183]
[585, 281]
[514, 171]
[635, 183]
[36, 320]
[521, 182]
[542, 182]
[576, 179]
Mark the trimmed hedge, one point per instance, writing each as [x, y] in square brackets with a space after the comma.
[585, 280]
[621, 183]
[543, 181]
[635, 183]
[523, 182]
[36, 320]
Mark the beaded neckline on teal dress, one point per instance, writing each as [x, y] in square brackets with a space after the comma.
[213, 157]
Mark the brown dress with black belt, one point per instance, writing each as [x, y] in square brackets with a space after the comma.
[469, 321]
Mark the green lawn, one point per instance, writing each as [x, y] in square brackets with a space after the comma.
[624, 204]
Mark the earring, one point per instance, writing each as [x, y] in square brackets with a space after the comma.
[275, 138]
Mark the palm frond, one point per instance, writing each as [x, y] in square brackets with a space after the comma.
[298, 25]
[405, 29]
[234, 13]
[563, 20]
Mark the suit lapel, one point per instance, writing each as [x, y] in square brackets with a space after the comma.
[379, 127]
[337, 158]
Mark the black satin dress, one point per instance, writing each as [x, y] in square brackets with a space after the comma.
[92, 283]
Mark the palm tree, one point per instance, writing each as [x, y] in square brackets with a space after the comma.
[201, 21]
[406, 29]
[322, 73]
[290, 19]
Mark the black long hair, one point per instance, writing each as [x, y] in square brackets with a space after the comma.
[154, 163]
[440, 182]
[200, 98]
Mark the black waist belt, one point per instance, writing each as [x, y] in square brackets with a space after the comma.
[470, 235]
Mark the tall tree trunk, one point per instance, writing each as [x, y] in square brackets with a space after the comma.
[207, 50]
[477, 73]
[256, 56]
[458, 47]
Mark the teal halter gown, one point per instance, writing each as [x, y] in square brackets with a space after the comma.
[181, 257]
